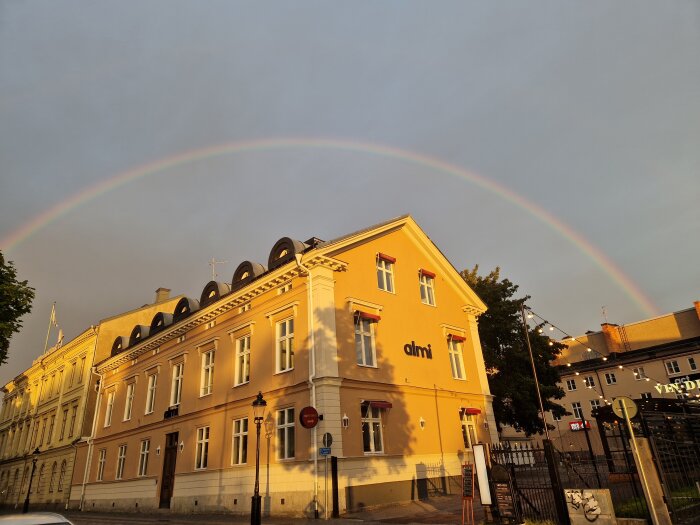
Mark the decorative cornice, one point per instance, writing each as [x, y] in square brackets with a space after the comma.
[225, 304]
[472, 310]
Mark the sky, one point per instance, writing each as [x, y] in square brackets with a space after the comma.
[559, 141]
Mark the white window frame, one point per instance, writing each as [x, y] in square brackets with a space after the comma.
[589, 382]
[595, 403]
[610, 378]
[129, 401]
[672, 367]
[109, 408]
[372, 428]
[151, 393]
[692, 364]
[143, 457]
[101, 460]
[364, 332]
[284, 342]
[239, 444]
[201, 458]
[242, 372]
[385, 275]
[121, 460]
[571, 385]
[454, 348]
[178, 373]
[427, 289]
[639, 373]
[468, 431]
[207, 375]
[577, 409]
[285, 430]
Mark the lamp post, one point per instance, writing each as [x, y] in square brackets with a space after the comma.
[35, 457]
[258, 412]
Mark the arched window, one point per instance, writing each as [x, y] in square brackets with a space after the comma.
[52, 479]
[15, 487]
[62, 476]
[42, 470]
[246, 273]
[25, 478]
[284, 251]
[185, 307]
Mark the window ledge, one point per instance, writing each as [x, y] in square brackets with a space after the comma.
[241, 384]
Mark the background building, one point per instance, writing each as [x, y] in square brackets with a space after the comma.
[375, 330]
[653, 358]
[50, 407]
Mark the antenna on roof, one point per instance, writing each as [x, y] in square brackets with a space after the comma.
[213, 264]
[605, 313]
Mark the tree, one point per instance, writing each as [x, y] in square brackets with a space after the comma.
[15, 301]
[507, 359]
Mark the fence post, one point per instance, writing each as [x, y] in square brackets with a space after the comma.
[557, 488]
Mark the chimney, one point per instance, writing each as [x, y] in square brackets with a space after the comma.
[162, 294]
[612, 337]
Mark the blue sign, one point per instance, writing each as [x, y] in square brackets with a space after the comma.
[324, 451]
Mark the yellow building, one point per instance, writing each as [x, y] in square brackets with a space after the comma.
[653, 358]
[376, 330]
[50, 406]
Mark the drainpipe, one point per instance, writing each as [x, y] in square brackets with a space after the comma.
[91, 439]
[312, 373]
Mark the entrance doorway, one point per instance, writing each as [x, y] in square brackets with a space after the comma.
[168, 479]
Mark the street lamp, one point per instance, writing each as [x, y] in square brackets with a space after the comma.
[35, 457]
[258, 412]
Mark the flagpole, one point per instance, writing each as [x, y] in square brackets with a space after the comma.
[52, 320]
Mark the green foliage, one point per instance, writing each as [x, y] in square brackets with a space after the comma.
[507, 358]
[15, 300]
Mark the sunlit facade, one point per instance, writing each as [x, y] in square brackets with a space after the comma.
[49, 408]
[375, 330]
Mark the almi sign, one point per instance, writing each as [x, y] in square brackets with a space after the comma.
[418, 351]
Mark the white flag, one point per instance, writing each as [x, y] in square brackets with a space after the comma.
[53, 315]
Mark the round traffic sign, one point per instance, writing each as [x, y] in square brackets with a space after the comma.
[308, 417]
[629, 405]
[327, 439]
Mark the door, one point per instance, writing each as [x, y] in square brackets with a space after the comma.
[168, 479]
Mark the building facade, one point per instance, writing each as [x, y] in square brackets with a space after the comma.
[652, 358]
[49, 408]
[376, 331]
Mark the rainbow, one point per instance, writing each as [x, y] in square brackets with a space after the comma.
[593, 253]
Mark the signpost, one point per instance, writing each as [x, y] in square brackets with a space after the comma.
[467, 493]
[325, 451]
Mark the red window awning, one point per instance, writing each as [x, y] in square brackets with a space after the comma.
[427, 273]
[378, 404]
[387, 258]
[367, 315]
[471, 411]
[457, 338]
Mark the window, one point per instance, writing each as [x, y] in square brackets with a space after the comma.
[143, 457]
[578, 411]
[101, 464]
[468, 430]
[62, 476]
[129, 401]
[646, 395]
[81, 371]
[73, 416]
[242, 360]
[639, 373]
[73, 367]
[121, 459]
[427, 287]
[364, 339]
[52, 479]
[285, 345]
[692, 364]
[52, 422]
[454, 347]
[43, 432]
[64, 420]
[595, 403]
[610, 378]
[372, 441]
[589, 381]
[207, 377]
[285, 433]
[202, 452]
[240, 441]
[109, 408]
[570, 384]
[151, 393]
[176, 387]
[672, 367]
[556, 417]
[385, 273]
